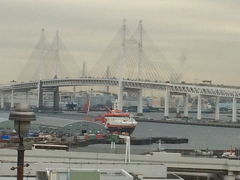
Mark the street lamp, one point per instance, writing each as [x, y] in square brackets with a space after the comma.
[127, 149]
[22, 117]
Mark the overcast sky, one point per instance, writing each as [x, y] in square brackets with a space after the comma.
[207, 31]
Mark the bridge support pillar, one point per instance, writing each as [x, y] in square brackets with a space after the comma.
[12, 99]
[140, 102]
[199, 108]
[186, 106]
[56, 99]
[234, 111]
[166, 104]
[40, 96]
[2, 100]
[217, 108]
[120, 96]
[27, 97]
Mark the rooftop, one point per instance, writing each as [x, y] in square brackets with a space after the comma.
[86, 174]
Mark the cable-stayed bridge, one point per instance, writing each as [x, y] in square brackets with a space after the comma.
[130, 62]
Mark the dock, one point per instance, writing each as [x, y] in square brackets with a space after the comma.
[192, 122]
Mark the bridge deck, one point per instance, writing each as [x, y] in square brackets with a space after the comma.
[208, 90]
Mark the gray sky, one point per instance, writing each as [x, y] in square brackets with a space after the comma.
[208, 31]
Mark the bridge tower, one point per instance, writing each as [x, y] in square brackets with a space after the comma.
[122, 64]
[56, 56]
[42, 50]
[41, 71]
[140, 69]
[56, 73]
[140, 51]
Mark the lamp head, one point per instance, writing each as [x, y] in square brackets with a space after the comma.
[22, 117]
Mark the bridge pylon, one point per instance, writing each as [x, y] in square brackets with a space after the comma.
[34, 67]
[56, 56]
[140, 69]
[122, 65]
[140, 51]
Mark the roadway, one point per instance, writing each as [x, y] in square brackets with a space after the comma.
[39, 159]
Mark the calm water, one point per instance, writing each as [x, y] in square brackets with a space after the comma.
[200, 137]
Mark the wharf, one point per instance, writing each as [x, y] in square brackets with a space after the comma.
[134, 141]
[192, 122]
[163, 140]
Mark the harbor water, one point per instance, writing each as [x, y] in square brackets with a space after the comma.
[200, 137]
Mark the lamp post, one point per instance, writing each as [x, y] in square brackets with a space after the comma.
[127, 150]
[22, 117]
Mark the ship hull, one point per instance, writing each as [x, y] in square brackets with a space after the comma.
[121, 130]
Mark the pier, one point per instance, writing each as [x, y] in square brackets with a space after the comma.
[192, 122]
